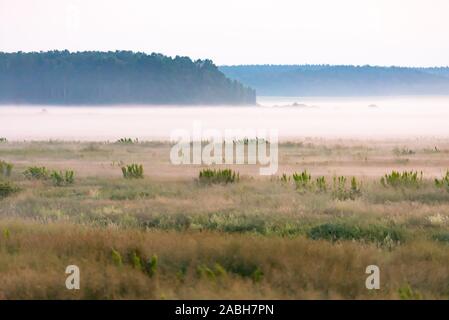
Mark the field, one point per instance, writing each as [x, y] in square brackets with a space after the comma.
[171, 235]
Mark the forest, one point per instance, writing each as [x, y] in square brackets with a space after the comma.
[120, 77]
[343, 80]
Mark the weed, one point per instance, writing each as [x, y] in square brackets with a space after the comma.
[339, 231]
[37, 173]
[5, 168]
[303, 180]
[402, 179]
[342, 192]
[151, 265]
[127, 141]
[61, 178]
[443, 182]
[218, 176]
[133, 171]
[116, 258]
[7, 189]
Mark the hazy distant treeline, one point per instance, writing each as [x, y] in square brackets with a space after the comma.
[325, 80]
[61, 77]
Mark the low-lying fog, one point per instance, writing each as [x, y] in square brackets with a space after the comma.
[293, 117]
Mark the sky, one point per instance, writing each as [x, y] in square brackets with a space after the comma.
[230, 32]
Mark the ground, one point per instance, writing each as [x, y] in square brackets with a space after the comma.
[171, 236]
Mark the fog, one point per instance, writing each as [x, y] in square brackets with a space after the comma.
[359, 118]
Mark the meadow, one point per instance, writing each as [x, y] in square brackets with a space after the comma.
[140, 227]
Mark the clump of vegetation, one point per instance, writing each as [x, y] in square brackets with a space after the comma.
[62, 178]
[321, 184]
[36, 173]
[151, 265]
[285, 178]
[127, 141]
[5, 168]
[133, 171]
[3, 140]
[402, 179]
[342, 192]
[218, 176]
[303, 181]
[407, 293]
[6, 189]
[443, 182]
[116, 258]
[340, 231]
[403, 151]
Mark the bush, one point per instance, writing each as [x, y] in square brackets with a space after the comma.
[342, 192]
[127, 141]
[5, 168]
[340, 231]
[402, 179]
[218, 176]
[6, 189]
[37, 173]
[3, 140]
[303, 180]
[443, 182]
[62, 178]
[133, 171]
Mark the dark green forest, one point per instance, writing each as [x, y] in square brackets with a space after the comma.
[328, 80]
[120, 77]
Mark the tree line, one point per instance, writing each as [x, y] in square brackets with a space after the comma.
[120, 77]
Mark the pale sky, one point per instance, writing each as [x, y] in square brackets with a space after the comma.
[376, 32]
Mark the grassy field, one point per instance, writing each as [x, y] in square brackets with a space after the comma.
[169, 235]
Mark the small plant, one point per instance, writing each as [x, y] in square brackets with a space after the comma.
[6, 189]
[342, 192]
[402, 179]
[37, 173]
[5, 168]
[127, 141]
[62, 178]
[3, 140]
[340, 231]
[443, 183]
[151, 266]
[303, 180]
[116, 258]
[407, 293]
[218, 176]
[133, 171]
[285, 178]
[403, 151]
[321, 184]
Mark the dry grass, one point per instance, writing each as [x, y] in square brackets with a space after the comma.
[250, 239]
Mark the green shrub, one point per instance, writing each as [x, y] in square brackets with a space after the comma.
[402, 179]
[61, 178]
[321, 184]
[133, 171]
[443, 182]
[407, 293]
[37, 173]
[340, 231]
[3, 140]
[342, 192]
[303, 180]
[116, 258]
[6, 189]
[151, 265]
[285, 178]
[218, 176]
[441, 237]
[5, 168]
[127, 141]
